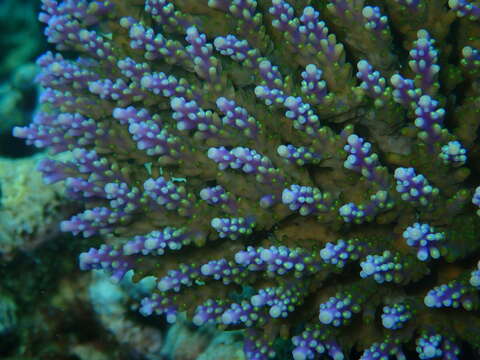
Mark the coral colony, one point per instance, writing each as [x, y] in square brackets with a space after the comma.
[304, 170]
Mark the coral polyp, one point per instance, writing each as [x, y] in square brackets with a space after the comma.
[304, 170]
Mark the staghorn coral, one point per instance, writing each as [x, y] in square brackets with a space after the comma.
[112, 304]
[230, 149]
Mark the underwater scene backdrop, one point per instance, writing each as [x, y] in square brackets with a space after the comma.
[240, 179]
